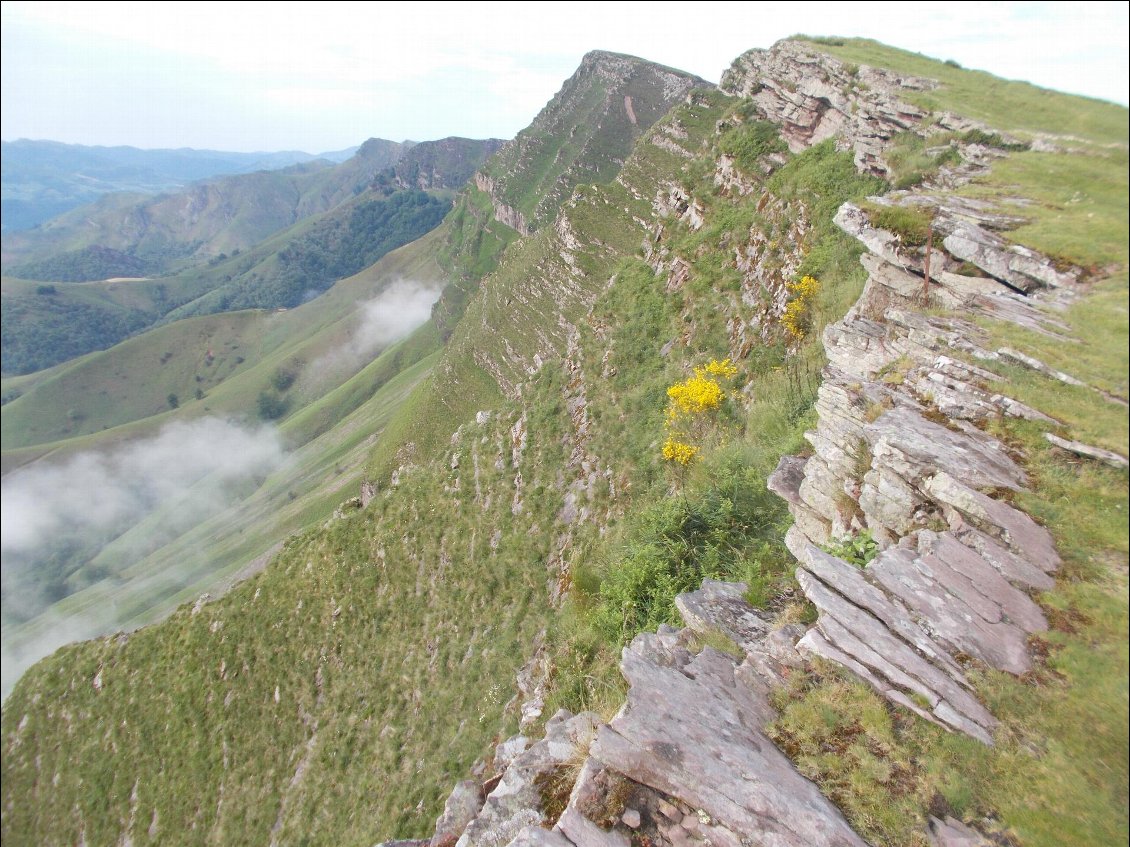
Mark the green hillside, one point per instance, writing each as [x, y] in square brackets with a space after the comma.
[339, 390]
[520, 496]
[48, 322]
[197, 223]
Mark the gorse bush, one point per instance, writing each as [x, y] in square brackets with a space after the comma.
[797, 319]
[689, 408]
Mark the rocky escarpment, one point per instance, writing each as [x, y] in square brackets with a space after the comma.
[813, 96]
[447, 163]
[898, 454]
[503, 213]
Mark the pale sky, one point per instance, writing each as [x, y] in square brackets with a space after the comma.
[325, 76]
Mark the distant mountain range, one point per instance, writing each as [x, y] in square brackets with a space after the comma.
[261, 240]
[42, 179]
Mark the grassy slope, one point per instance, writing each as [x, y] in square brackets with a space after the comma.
[317, 477]
[429, 586]
[250, 276]
[373, 723]
[131, 382]
[433, 622]
[338, 412]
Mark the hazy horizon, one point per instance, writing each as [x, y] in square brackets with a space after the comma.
[324, 78]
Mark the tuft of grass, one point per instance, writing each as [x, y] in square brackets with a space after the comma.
[914, 159]
[747, 142]
[910, 223]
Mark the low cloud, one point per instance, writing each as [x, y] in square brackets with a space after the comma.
[390, 316]
[194, 463]
[58, 517]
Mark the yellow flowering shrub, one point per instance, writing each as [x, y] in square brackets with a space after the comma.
[690, 401]
[696, 394]
[679, 452]
[724, 368]
[797, 318]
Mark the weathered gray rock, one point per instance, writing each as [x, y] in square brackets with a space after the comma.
[1015, 569]
[1108, 457]
[995, 518]
[813, 96]
[882, 244]
[1024, 269]
[859, 346]
[462, 806]
[722, 607]
[509, 750]
[851, 584]
[535, 836]
[690, 730]
[786, 479]
[516, 802]
[854, 631]
[955, 612]
[953, 833]
[915, 448]
[891, 506]
[584, 833]
[969, 575]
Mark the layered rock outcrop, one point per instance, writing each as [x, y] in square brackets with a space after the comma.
[685, 762]
[813, 96]
[897, 454]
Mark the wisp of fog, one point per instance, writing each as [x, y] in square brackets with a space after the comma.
[390, 316]
[58, 517]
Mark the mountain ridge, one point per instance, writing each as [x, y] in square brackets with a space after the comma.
[38, 186]
[537, 529]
